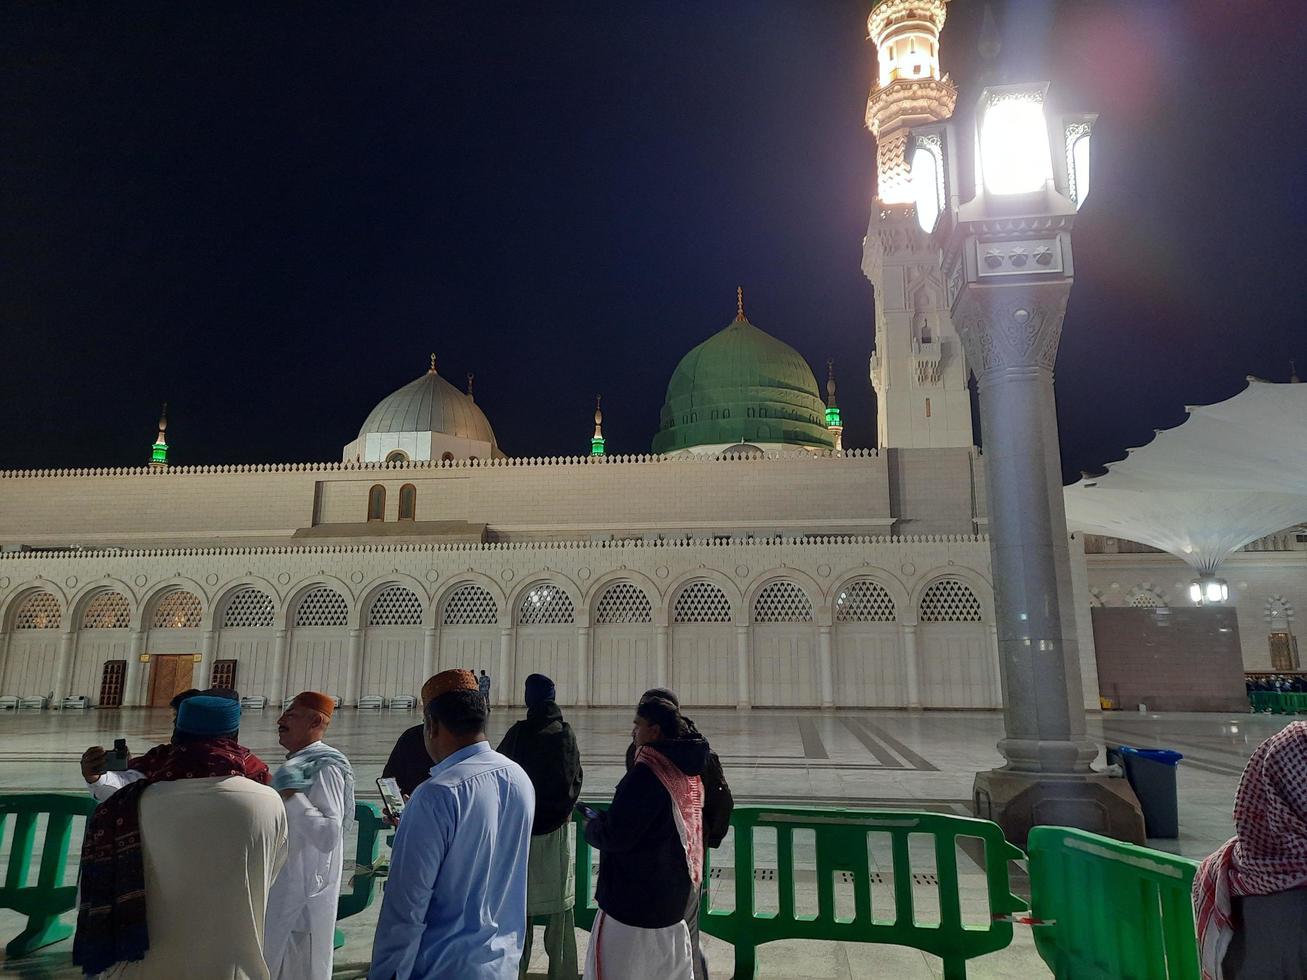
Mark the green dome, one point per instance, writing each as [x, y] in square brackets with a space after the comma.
[742, 385]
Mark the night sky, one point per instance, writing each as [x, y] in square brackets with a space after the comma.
[268, 214]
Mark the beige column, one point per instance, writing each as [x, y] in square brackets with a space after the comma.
[742, 667]
[431, 640]
[354, 668]
[826, 667]
[208, 649]
[133, 677]
[911, 667]
[275, 687]
[63, 667]
[504, 682]
[662, 656]
[582, 666]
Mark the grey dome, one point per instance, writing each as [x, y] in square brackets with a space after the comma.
[430, 404]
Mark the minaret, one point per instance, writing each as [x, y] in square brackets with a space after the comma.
[470, 378]
[597, 440]
[917, 370]
[833, 420]
[159, 451]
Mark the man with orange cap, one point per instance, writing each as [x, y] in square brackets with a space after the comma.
[317, 784]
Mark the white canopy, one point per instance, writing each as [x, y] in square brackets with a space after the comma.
[1229, 474]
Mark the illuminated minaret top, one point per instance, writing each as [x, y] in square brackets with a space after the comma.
[909, 88]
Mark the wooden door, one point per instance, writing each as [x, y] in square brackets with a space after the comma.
[169, 676]
[111, 683]
[1284, 656]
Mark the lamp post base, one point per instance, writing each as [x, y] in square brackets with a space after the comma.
[1092, 801]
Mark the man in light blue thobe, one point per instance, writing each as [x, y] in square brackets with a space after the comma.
[455, 901]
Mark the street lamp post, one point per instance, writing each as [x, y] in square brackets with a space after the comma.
[1008, 272]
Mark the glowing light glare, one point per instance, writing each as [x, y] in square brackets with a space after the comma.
[925, 188]
[1208, 589]
[1080, 161]
[1195, 593]
[1014, 147]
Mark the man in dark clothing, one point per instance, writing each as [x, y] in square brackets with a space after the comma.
[651, 852]
[409, 764]
[717, 806]
[545, 747]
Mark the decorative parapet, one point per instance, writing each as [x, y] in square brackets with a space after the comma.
[823, 540]
[752, 459]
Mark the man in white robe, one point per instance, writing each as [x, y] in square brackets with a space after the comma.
[317, 785]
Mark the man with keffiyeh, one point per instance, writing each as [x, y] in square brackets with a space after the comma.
[317, 784]
[191, 840]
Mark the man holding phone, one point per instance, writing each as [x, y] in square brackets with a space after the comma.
[106, 772]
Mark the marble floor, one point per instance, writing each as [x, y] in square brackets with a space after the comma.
[883, 759]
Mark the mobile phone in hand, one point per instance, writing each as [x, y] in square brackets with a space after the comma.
[588, 812]
[391, 796]
[116, 760]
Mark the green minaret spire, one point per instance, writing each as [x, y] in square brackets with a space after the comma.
[597, 440]
[159, 451]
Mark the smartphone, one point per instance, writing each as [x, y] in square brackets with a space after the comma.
[391, 796]
[116, 760]
[588, 812]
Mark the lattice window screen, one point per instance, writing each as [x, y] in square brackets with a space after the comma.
[470, 605]
[249, 608]
[864, 601]
[623, 603]
[950, 601]
[395, 606]
[107, 611]
[178, 610]
[546, 605]
[782, 602]
[322, 607]
[701, 602]
[1144, 599]
[39, 611]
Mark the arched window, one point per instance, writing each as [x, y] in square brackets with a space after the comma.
[377, 503]
[322, 606]
[177, 610]
[701, 602]
[107, 611]
[949, 600]
[470, 605]
[408, 502]
[39, 611]
[248, 608]
[782, 602]
[864, 601]
[623, 602]
[545, 605]
[395, 606]
[397, 456]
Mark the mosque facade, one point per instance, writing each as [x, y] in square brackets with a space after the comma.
[749, 560]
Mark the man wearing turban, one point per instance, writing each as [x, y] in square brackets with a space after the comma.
[317, 784]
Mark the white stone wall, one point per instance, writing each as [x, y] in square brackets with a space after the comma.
[804, 653]
[907, 492]
[1262, 586]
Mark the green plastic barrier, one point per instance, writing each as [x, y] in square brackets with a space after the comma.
[842, 839]
[1111, 910]
[1278, 702]
[367, 866]
[50, 897]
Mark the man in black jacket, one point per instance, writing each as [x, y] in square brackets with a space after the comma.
[717, 806]
[650, 843]
[545, 747]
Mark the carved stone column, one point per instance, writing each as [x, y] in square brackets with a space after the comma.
[504, 684]
[208, 647]
[742, 667]
[582, 666]
[1011, 329]
[911, 666]
[662, 656]
[825, 667]
[135, 671]
[63, 668]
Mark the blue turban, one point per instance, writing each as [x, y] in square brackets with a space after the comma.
[206, 715]
[539, 688]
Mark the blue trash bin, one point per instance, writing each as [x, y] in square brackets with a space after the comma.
[1151, 773]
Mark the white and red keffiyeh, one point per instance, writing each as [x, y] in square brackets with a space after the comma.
[687, 806]
[1268, 853]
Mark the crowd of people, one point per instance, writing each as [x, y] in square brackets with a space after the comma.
[1276, 683]
[200, 861]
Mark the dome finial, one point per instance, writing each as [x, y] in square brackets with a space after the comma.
[159, 451]
[597, 440]
[433, 365]
[739, 302]
[1293, 373]
[470, 378]
[830, 383]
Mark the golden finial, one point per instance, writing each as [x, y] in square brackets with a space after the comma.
[739, 302]
[830, 382]
[433, 365]
[470, 377]
[1293, 373]
[163, 421]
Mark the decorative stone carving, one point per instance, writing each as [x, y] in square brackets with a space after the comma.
[1012, 327]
